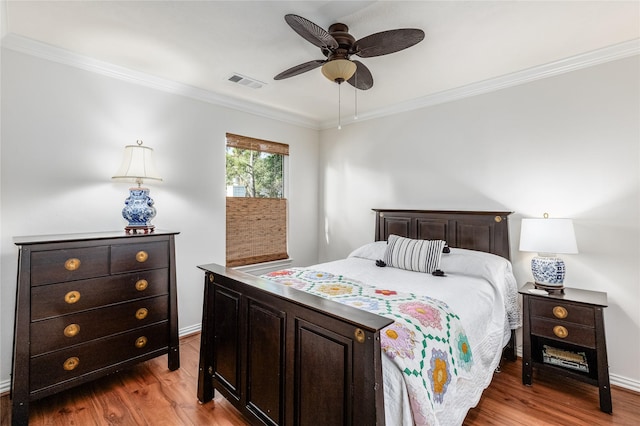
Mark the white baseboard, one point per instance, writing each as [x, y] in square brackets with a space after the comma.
[5, 386]
[185, 331]
[625, 382]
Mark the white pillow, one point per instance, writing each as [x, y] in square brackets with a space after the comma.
[473, 262]
[373, 251]
[413, 255]
[495, 269]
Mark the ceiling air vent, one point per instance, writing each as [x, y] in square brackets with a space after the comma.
[246, 81]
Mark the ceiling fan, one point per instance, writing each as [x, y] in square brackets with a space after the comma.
[337, 45]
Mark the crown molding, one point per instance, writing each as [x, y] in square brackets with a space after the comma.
[577, 62]
[573, 63]
[55, 54]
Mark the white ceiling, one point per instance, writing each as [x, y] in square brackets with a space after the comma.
[202, 43]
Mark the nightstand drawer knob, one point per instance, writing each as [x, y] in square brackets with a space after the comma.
[142, 256]
[560, 331]
[141, 342]
[560, 312]
[72, 264]
[141, 285]
[72, 330]
[71, 363]
[72, 297]
[142, 313]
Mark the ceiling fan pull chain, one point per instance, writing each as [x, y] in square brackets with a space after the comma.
[355, 88]
[339, 108]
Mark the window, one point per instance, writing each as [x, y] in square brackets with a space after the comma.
[256, 203]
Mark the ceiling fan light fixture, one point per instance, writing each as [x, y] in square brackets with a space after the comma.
[339, 70]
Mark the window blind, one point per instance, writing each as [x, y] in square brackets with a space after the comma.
[256, 226]
[244, 142]
[256, 230]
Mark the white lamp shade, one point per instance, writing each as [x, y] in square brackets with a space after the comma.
[548, 236]
[137, 164]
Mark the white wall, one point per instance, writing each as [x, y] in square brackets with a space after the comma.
[567, 145]
[63, 135]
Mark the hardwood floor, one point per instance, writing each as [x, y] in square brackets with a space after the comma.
[149, 394]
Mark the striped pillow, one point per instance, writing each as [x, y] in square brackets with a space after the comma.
[413, 255]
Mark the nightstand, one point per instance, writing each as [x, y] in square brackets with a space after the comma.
[564, 334]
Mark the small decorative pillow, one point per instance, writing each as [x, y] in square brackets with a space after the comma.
[413, 255]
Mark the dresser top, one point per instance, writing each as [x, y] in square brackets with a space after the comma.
[598, 298]
[43, 239]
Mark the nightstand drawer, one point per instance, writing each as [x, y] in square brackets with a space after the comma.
[561, 310]
[54, 266]
[61, 366]
[59, 332]
[564, 331]
[139, 257]
[75, 296]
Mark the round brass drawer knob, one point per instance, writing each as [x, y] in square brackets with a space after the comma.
[359, 335]
[71, 363]
[560, 331]
[142, 313]
[560, 312]
[142, 285]
[210, 278]
[72, 330]
[142, 256]
[72, 264]
[141, 342]
[72, 297]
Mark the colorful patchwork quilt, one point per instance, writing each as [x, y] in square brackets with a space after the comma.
[426, 341]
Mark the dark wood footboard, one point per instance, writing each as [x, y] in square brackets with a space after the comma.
[282, 356]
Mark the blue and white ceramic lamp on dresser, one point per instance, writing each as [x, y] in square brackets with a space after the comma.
[137, 166]
[548, 237]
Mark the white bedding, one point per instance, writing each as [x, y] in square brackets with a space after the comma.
[479, 287]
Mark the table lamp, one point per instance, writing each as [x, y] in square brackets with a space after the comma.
[138, 165]
[548, 237]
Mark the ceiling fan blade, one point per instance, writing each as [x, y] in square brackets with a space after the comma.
[299, 69]
[386, 42]
[311, 32]
[362, 79]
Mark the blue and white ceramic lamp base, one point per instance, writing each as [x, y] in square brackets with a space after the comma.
[138, 211]
[548, 272]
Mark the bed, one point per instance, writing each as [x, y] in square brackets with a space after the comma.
[285, 350]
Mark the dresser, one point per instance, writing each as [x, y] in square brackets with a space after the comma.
[563, 333]
[88, 305]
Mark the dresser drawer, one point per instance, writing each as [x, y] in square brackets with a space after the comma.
[64, 365]
[561, 310]
[59, 332]
[75, 296]
[138, 257]
[564, 331]
[53, 266]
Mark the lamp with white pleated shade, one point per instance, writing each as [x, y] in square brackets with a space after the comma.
[137, 166]
[548, 237]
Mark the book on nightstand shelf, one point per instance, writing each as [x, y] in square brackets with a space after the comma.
[563, 358]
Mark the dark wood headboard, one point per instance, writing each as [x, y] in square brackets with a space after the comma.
[474, 230]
